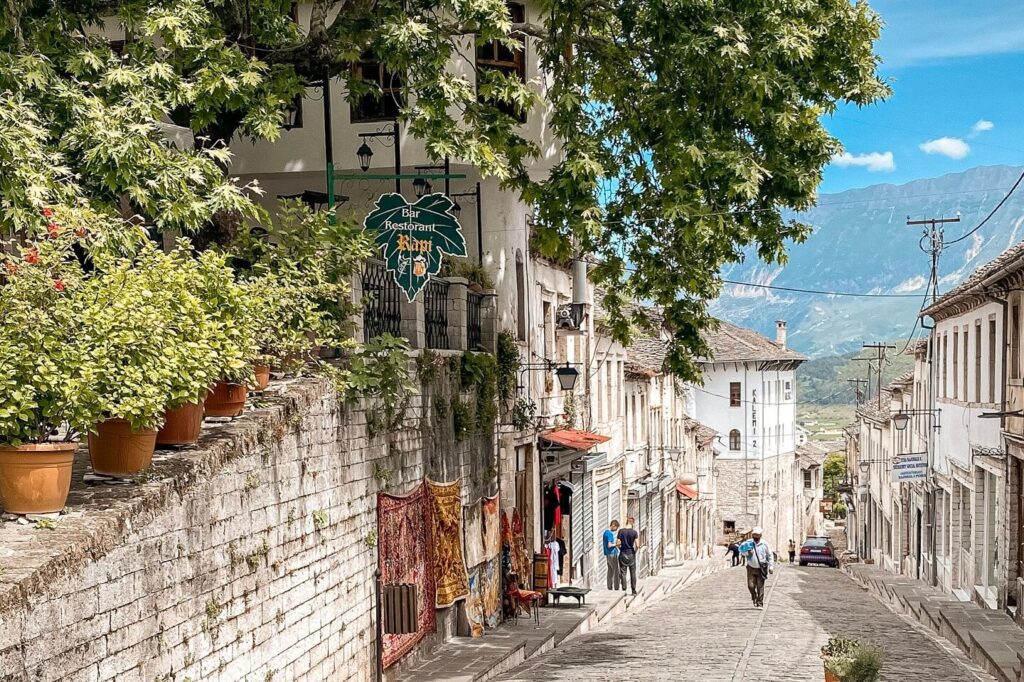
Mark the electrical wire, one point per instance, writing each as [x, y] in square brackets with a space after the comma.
[989, 216]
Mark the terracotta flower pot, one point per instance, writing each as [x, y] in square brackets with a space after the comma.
[262, 376]
[35, 479]
[181, 425]
[830, 676]
[118, 450]
[226, 400]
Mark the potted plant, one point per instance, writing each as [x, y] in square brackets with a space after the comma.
[847, 660]
[298, 285]
[44, 374]
[233, 349]
[150, 341]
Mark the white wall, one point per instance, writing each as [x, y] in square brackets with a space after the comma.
[764, 401]
[960, 404]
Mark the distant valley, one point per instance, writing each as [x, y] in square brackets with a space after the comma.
[861, 243]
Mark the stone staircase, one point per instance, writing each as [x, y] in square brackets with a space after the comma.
[988, 638]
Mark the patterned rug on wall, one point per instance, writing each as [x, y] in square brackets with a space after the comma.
[491, 527]
[474, 535]
[450, 576]
[404, 550]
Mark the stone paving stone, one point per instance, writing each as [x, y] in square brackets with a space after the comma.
[710, 633]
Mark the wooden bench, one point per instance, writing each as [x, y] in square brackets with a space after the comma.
[578, 593]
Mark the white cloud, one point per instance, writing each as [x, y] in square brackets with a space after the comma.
[874, 161]
[953, 147]
[912, 284]
[982, 126]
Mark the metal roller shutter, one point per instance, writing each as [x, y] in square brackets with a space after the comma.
[602, 523]
[582, 523]
[657, 541]
[587, 537]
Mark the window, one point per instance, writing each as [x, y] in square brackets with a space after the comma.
[734, 440]
[993, 352]
[956, 363]
[728, 527]
[384, 100]
[734, 394]
[945, 359]
[1015, 341]
[808, 479]
[520, 298]
[789, 390]
[966, 338]
[977, 362]
[497, 56]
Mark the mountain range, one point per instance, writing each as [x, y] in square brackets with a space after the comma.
[861, 243]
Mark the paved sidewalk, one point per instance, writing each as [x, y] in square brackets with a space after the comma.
[989, 638]
[711, 633]
[465, 659]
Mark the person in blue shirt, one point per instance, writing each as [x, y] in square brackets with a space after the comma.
[611, 554]
[760, 562]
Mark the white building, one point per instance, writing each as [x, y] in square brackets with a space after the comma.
[966, 348]
[749, 398]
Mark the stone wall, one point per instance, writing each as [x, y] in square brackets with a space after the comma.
[754, 492]
[248, 557]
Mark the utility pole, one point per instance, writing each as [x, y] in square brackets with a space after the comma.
[880, 351]
[857, 388]
[934, 235]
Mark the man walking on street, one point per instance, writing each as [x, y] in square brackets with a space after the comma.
[611, 555]
[792, 551]
[628, 540]
[760, 563]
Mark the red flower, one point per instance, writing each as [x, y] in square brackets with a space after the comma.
[58, 284]
[53, 229]
[12, 268]
[32, 257]
[47, 212]
[80, 232]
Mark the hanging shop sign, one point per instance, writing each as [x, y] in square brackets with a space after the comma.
[413, 238]
[909, 467]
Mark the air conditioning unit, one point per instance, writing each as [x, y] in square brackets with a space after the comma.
[569, 317]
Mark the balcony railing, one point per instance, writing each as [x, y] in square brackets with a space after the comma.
[435, 311]
[474, 330]
[445, 316]
[382, 303]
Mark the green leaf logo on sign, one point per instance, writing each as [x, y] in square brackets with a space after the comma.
[414, 237]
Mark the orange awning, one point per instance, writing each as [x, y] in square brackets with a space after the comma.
[686, 491]
[574, 439]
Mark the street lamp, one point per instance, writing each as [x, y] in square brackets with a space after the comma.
[902, 418]
[293, 114]
[365, 154]
[421, 186]
[567, 376]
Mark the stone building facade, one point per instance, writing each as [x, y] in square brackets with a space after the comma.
[749, 398]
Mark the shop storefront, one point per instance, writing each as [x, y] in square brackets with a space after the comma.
[568, 498]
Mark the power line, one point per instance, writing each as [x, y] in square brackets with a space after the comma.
[819, 292]
[989, 216]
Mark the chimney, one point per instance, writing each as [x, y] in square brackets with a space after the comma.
[780, 332]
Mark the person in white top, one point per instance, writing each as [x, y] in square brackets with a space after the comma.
[760, 563]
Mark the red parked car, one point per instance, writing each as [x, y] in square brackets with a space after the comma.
[818, 550]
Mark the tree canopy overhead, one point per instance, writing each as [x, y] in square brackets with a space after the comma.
[687, 127]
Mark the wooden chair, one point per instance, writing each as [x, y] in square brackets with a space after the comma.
[520, 599]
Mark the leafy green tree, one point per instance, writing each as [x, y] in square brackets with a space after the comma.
[834, 473]
[686, 128]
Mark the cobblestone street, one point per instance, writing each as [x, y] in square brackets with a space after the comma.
[710, 632]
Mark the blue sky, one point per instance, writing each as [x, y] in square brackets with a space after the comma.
[957, 72]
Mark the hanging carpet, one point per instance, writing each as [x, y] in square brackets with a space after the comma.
[451, 579]
[491, 527]
[404, 552]
[474, 535]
